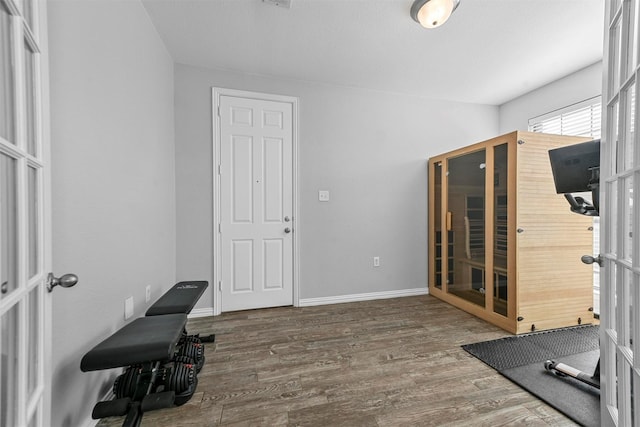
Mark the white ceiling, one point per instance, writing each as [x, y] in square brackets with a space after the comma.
[489, 52]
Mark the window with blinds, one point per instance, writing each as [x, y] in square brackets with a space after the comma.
[582, 119]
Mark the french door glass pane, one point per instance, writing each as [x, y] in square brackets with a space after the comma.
[626, 295]
[627, 226]
[614, 59]
[613, 116]
[8, 226]
[8, 367]
[33, 242]
[611, 193]
[33, 365]
[29, 78]
[7, 78]
[614, 289]
[623, 391]
[630, 109]
[632, 56]
[611, 363]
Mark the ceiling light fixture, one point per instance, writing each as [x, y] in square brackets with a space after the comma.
[433, 13]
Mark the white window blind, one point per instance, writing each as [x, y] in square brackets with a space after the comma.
[582, 119]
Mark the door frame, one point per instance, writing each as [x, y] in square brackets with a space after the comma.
[217, 92]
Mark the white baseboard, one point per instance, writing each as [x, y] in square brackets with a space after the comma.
[201, 312]
[308, 302]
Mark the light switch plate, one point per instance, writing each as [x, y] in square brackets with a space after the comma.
[323, 195]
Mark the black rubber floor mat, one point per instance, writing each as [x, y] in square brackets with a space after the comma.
[521, 359]
[511, 352]
[573, 398]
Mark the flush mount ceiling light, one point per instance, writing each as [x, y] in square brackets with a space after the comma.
[433, 13]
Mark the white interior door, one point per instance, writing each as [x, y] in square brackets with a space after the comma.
[619, 225]
[256, 202]
[24, 381]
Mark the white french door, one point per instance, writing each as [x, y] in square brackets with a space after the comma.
[24, 381]
[256, 200]
[619, 225]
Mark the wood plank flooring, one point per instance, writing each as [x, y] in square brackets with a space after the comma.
[393, 362]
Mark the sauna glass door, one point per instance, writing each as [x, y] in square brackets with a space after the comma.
[465, 224]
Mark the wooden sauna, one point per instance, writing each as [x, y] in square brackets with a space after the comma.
[503, 245]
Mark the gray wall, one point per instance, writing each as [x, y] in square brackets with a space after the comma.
[368, 148]
[576, 87]
[113, 166]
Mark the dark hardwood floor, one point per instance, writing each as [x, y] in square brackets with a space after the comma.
[394, 362]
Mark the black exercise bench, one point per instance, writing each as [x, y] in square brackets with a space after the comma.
[161, 361]
[181, 298]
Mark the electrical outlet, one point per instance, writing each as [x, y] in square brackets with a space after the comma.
[323, 195]
[376, 261]
[147, 293]
[128, 308]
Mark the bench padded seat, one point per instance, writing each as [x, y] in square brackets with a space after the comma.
[181, 298]
[147, 339]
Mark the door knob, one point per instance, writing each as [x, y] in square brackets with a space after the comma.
[588, 259]
[287, 219]
[66, 281]
[287, 230]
